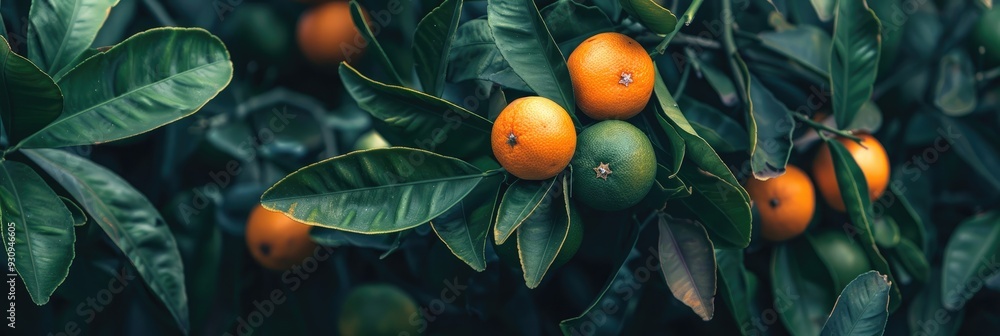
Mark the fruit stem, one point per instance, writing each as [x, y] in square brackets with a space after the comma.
[729, 44]
[685, 19]
[822, 127]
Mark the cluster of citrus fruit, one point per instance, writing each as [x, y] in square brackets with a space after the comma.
[534, 138]
[786, 204]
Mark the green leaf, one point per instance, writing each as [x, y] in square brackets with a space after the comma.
[970, 257]
[542, 235]
[59, 31]
[854, 58]
[720, 131]
[910, 224]
[42, 229]
[719, 206]
[717, 79]
[519, 201]
[525, 43]
[29, 99]
[79, 216]
[854, 192]
[658, 19]
[374, 191]
[149, 80]
[824, 9]
[955, 91]
[571, 23]
[364, 27]
[474, 55]
[337, 238]
[862, 308]
[688, 264]
[886, 232]
[913, 261]
[432, 44]
[809, 45]
[773, 145]
[130, 221]
[974, 148]
[734, 287]
[801, 287]
[425, 121]
[928, 315]
[464, 227]
[666, 186]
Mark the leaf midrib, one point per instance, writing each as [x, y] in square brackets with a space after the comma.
[404, 184]
[687, 268]
[24, 221]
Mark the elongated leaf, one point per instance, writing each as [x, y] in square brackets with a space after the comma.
[912, 259]
[720, 131]
[666, 186]
[773, 145]
[971, 256]
[151, 79]
[542, 235]
[854, 192]
[896, 205]
[687, 261]
[886, 232]
[801, 287]
[79, 216]
[520, 201]
[571, 23]
[809, 45]
[474, 55]
[364, 27]
[854, 58]
[862, 308]
[465, 226]
[719, 206]
[42, 229]
[974, 148]
[825, 9]
[525, 43]
[29, 99]
[129, 220]
[427, 122]
[734, 288]
[658, 19]
[955, 91]
[432, 44]
[927, 315]
[717, 79]
[374, 191]
[59, 31]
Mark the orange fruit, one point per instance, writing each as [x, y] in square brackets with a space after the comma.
[786, 203]
[872, 160]
[327, 35]
[276, 241]
[612, 76]
[533, 138]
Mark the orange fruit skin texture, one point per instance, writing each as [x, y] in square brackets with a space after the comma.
[544, 138]
[873, 161]
[276, 241]
[327, 35]
[786, 203]
[596, 68]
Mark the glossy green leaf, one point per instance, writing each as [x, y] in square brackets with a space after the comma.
[801, 288]
[30, 99]
[42, 229]
[525, 42]
[520, 201]
[672, 153]
[474, 55]
[654, 16]
[59, 31]
[718, 129]
[666, 186]
[129, 220]
[955, 91]
[719, 207]
[969, 258]
[912, 259]
[432, 44]
[687, 260]
[808, 45]
[717, 79]
[854, 192]
[542, 235]
[571, 23]
[773, 126]
[734, 287]
[374, 191]
[976, 149]
[425, 121]
[149, 80]
[363, 25]
[928, 315]
[79, 216]
[886, 232]
[465, 226]
[861, 309]
[854, 58]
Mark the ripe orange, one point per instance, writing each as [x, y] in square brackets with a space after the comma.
[276, 241]
[612, 76]
[533, 138]
[327, 35]
[786, 203]
[873, 161]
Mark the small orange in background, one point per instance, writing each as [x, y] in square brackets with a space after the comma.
[276, 241]
[533, 138]
[786, 203]
[327, 35]
[612, 76]
[871, 158]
